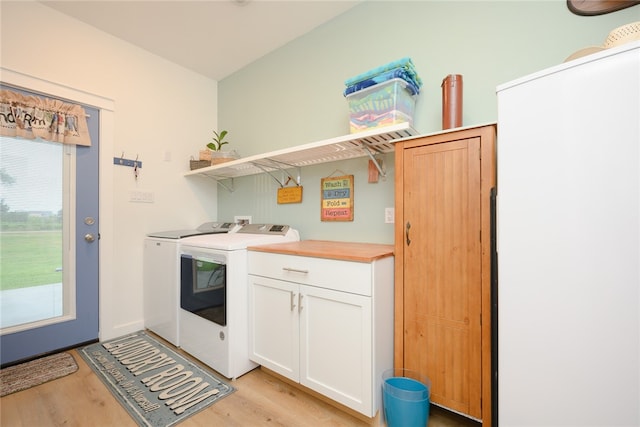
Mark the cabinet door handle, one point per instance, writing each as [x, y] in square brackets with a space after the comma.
[295, 270]
[293, 301]
[407, 233]
[300, 303]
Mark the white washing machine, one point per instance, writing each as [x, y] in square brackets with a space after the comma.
[214, 306]
[161, 277]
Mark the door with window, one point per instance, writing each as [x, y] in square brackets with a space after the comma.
[48, 244]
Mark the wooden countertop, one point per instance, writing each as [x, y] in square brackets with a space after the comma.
[347, 251]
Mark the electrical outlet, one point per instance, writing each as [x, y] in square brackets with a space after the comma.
[242, 219]
[138, 196]
[389, 215]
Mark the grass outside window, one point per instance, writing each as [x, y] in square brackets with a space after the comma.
[30, 258]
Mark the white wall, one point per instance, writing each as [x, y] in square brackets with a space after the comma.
[162, 113]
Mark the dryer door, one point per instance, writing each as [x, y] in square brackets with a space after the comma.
[203, 287]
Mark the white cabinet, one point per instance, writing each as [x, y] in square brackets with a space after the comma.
[317, 337]
[325, 323]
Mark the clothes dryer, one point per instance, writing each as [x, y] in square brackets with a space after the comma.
[214, 306]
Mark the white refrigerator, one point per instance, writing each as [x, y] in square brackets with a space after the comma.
[568, 239]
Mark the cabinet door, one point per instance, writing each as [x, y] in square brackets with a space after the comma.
[442, 270]
[336, 346]
[273, 325]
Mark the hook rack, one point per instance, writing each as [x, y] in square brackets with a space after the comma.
[121, 161]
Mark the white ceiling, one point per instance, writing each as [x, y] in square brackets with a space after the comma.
[211, 37]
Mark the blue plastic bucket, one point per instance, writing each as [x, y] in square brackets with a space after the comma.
[405, 398]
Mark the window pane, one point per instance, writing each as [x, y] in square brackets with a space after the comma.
[31, 230]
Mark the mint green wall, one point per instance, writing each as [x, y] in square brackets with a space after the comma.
[293, 96]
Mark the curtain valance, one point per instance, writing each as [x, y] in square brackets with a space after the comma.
[50, 119]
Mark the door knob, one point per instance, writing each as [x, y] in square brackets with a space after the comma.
[89, 237]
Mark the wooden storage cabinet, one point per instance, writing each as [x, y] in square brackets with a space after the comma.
[325, 339]
[443, 265]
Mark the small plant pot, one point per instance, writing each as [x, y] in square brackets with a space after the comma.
[218, 157]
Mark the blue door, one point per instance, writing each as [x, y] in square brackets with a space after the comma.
[52, 303]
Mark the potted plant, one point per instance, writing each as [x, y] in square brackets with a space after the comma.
[217, 154]
[218, 141]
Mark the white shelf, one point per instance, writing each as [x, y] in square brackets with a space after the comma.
[341, 148]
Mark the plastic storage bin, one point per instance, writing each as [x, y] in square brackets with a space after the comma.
[405, 398]
[380, 105]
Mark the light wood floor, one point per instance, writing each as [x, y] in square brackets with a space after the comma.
[81, 399]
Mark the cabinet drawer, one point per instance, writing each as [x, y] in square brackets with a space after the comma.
[345, 276]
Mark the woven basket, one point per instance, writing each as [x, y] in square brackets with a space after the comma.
[199, 164]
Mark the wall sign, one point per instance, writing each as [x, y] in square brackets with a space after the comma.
[336, 198]
[290, 194]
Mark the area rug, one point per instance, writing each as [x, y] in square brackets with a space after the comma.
[35, 372]
[156, 385]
